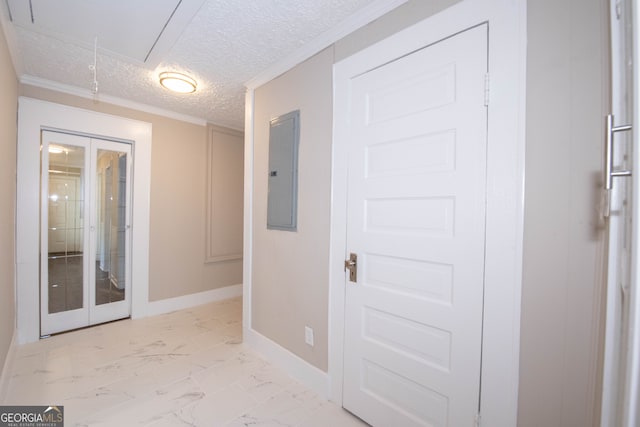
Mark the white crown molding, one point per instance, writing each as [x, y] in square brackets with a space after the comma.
[226, 130]
[358, 20]
[108, 99]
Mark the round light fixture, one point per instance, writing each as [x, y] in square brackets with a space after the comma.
[177, 82]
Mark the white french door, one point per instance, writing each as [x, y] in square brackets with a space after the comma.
[416, 229]
[85, 233]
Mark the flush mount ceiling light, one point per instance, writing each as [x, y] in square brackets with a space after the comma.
[177, 82]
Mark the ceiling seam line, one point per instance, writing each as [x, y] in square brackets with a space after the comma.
[162, 31]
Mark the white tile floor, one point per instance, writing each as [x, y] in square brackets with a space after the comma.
[187, 368]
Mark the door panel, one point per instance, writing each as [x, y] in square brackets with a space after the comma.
[416, 219]
[110, 287]
[64, 298]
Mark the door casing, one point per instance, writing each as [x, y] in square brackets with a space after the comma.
[505, 193]
[431, 98]
[90, 313]
[35, 116]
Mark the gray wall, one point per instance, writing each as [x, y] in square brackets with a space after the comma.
[8, 131]
[567, 94]
[563, 247]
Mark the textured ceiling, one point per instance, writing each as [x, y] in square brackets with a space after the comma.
[225, 44]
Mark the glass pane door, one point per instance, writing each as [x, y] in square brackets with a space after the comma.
[111, 206]
[66, 248]
[64, 266]
[85, 233]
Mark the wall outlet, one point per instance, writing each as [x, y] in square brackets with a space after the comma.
[308, 335]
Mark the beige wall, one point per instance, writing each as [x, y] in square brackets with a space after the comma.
[225, 195]
[402, 17]
[566, 90]
[290, 269]
[563, 243]
[178, 202]
[8, 130]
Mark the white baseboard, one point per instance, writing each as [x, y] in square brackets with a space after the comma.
[293, 365]
[187, 301]
[6, 369]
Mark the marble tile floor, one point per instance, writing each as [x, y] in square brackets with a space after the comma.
[186, 368]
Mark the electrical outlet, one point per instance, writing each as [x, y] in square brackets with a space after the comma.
[308, 335]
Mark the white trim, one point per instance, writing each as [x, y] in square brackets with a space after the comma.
[114, 100]
[358, 20]
[225, 130]
[211, 254]
[34, 115]
[223, 258]
[6, 369]
[247, 245]
[613, 375]
[283, 359]
[187, 301]
[632, 391]
[505, 189]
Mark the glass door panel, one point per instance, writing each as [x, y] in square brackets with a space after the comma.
[66, 250]
[64, 266]
[110, 281]
[110, 244]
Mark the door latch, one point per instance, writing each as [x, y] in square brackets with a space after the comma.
[352, 265]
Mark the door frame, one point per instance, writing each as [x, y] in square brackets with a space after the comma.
[632, 392]
[505, 190]
[90, 313]
[34, 116]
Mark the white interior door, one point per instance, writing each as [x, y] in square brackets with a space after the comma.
[76, 288]
[416, 221]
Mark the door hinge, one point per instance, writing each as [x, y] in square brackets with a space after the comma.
[486, 90]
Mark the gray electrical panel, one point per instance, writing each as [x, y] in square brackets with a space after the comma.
[282, 205]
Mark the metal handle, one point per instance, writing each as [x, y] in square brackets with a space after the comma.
[609, 173]
[352, 265]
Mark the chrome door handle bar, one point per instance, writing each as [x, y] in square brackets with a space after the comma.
[609, 173]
